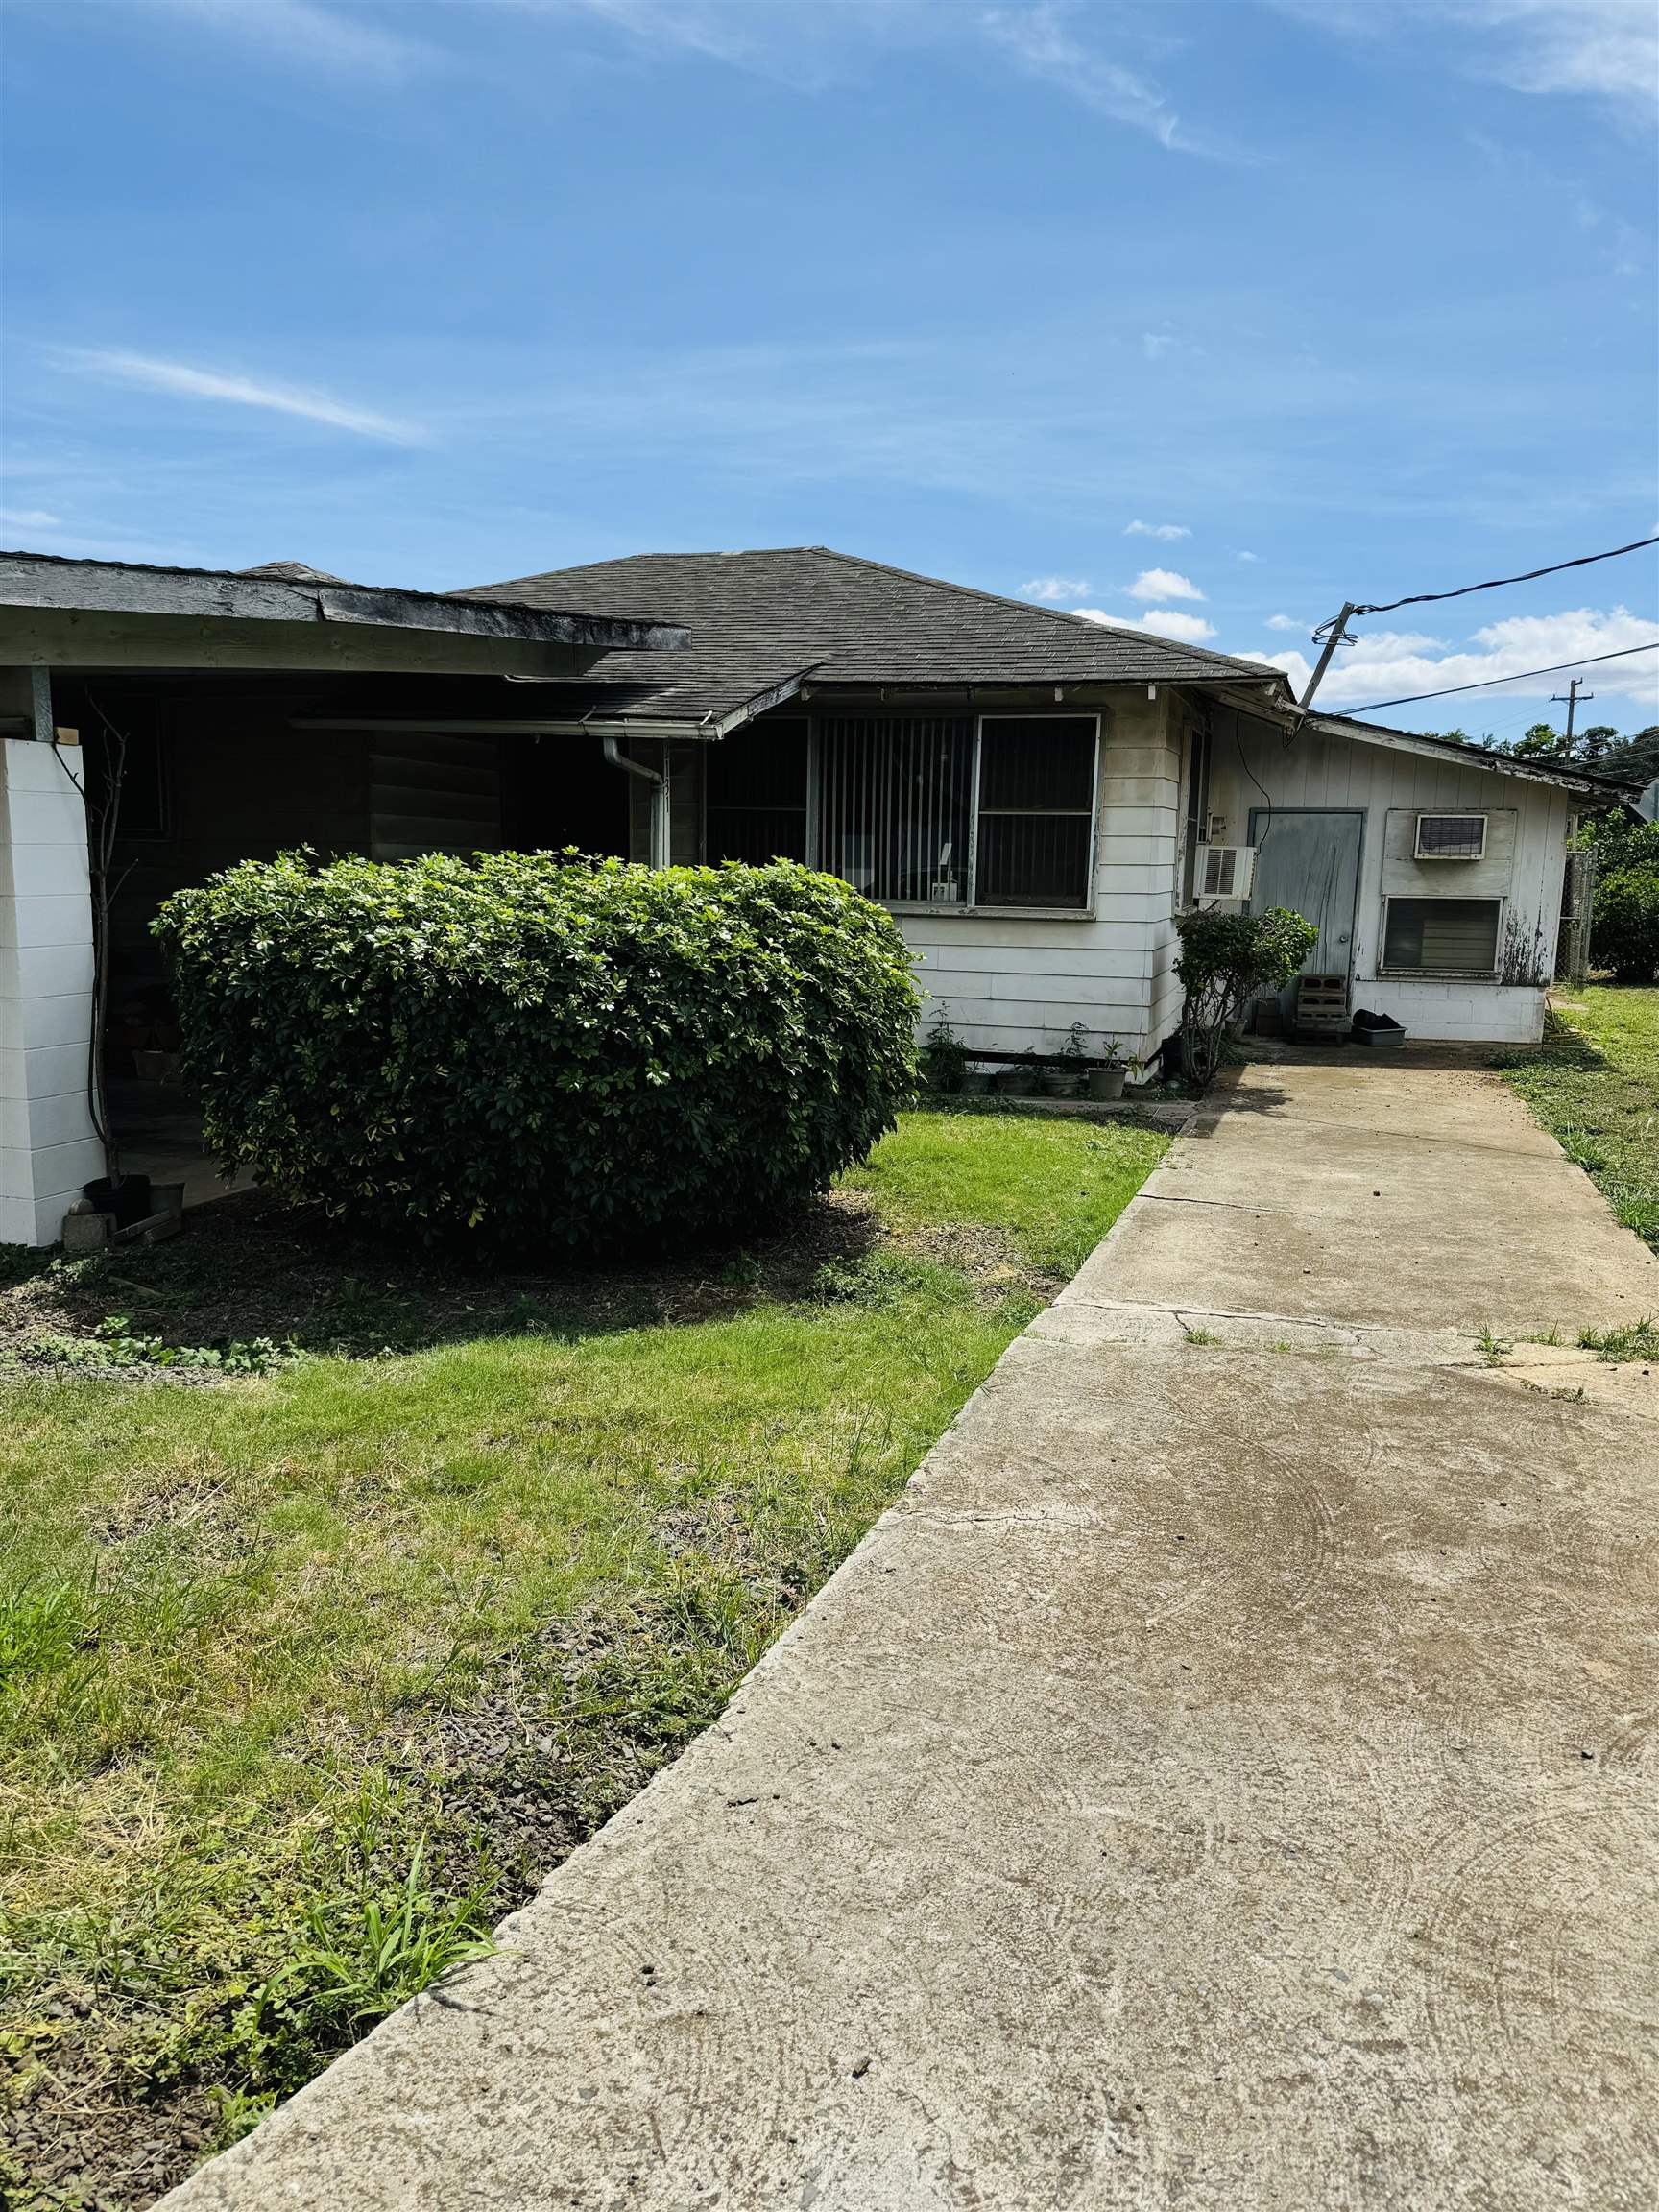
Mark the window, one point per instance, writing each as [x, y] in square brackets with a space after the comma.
[893, 808]
[757, 794]
[1197, 808]
[1036, 811]
[1450, 837]
[1442, 936]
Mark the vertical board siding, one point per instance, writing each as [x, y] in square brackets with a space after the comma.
[1526, 870]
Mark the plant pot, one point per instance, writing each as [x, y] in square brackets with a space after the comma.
[1016, 1082]
[1061, 1083]
[976, 1083]
[1107, 1083]
[149, 1064]
[125, 1197]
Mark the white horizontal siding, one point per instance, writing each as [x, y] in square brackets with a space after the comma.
[1016, 984]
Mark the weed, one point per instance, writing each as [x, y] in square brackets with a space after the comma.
[879, 1280]
[1494, 1350]
[1202, 1335]
[1639, 1342]
[113, 1344]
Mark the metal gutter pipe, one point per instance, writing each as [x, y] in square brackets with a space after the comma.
[617, 758]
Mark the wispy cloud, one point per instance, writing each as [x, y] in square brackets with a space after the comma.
[1397, 664]
[1038, 39]
[316, 38]
[1245, 555]
[27, 518]
[1169, 530]
[1286, 622]
[1608, 49]
[1056, 587]
[145, 373]
[1163, 583]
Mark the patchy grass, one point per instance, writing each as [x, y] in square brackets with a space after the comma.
[1639, 1342]
[308, 1675]
[1595, 1086]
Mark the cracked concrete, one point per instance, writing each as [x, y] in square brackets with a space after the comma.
[1223, 1780]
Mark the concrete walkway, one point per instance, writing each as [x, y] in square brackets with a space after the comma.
[1225, 1779]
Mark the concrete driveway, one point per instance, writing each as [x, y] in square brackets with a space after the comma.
[1224, 1779]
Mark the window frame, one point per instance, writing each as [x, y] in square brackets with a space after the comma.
[1445, 974]
[1449, 814]
[968, 907]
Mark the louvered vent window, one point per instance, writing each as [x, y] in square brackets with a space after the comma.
[1442, 936]
[757, 794]
[1451, 836]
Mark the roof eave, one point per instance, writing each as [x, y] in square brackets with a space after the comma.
[45, 583]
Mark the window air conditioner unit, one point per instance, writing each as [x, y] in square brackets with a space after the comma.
[1450, 837]
[1224, 871]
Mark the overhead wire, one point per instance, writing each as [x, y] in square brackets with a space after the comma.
[1521, 675]
[1496, 582]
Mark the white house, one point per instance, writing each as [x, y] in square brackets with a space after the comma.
[1035, 797]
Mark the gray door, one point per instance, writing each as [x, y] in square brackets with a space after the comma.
[1307, 858]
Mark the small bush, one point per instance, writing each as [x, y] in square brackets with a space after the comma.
[1624, 923]
[1224, 961]
[531, 1045]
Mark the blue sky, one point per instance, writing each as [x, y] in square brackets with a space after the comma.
[1206, 316]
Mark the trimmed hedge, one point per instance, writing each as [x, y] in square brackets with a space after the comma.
[530, 1045]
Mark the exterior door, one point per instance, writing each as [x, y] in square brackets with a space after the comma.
[1307, 858]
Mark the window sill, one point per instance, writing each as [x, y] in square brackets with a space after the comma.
[1438, 975]
[908, 910]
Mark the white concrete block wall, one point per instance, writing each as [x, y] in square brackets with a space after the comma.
[47, 1145]
[1332, 772]
[1016, 984]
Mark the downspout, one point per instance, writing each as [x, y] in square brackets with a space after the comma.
[617, 758]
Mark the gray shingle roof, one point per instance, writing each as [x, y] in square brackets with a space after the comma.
[757, 618]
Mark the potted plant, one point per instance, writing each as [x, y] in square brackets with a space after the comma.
[1063, 1076]
[944, 1057]
[1020, 1079]
[1106, 1080]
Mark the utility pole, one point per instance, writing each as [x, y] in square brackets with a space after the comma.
[1570, 702]
[1334, 633]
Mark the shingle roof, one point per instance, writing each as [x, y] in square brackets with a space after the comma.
[758, 618]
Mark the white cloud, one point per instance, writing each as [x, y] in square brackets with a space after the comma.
[1608, 49]
[145, 373]
[1166, 621]
[1163, 584]
[1284, 622]
[27, 518]
[1398, 664]
[1039, 41]
[1056, 587]
[1170, 530]
[1243, 556]
[1169, 622]
[319, 37]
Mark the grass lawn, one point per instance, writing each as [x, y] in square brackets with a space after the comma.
[1595, 1087]
[308, 1677]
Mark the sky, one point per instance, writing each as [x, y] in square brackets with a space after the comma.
[1205, 317]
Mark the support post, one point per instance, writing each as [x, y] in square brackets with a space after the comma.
[48, 1146]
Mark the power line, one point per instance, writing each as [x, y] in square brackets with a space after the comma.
[1520, 677]
[1493, 583]
[1330, 635]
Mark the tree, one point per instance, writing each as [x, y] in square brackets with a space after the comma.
[1540, 743]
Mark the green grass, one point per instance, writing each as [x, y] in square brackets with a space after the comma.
[306, 1677]
[1595, 1087]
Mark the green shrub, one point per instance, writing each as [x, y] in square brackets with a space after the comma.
[530, 1045]
[1624, 923]
[1225, 960]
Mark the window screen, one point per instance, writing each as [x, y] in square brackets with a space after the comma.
[1036, 811]
[1452, 936]
[757, 794]
[893, 816]
[1451, 836]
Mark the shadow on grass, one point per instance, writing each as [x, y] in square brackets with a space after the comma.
[249, 1266]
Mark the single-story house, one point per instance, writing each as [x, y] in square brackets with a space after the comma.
[1034, 796]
